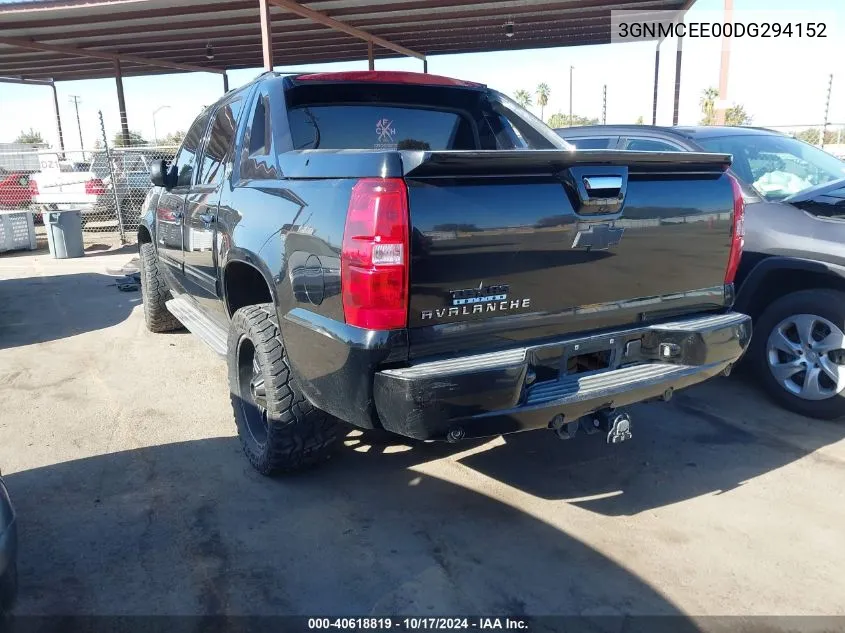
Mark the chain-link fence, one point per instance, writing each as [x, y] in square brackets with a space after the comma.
[107, 186]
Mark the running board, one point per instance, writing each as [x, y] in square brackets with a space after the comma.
[184, 309]
[607, 384]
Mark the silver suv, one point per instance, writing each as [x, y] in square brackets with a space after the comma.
[792, 276]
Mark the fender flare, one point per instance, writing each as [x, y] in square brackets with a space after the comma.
[244, 256]
[754, 279]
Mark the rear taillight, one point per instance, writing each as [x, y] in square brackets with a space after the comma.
[737, 232]
[94, 187]
[33, 187]
[374, 256]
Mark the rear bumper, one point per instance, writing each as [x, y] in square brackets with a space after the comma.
[514, 390]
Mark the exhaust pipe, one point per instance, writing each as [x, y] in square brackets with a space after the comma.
[563, 429]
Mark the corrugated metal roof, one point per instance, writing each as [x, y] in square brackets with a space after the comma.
[178, 31]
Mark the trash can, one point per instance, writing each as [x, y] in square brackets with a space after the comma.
[64, 233]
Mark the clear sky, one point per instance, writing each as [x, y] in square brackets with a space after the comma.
[780, 82]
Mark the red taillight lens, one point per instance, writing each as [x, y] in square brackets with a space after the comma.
[737, 232]
[374, 255]
[95, 187]
[33, 187]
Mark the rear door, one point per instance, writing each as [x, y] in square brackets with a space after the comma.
[200, 221]
[171, 204]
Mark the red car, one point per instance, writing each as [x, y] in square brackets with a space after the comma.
[14, 189]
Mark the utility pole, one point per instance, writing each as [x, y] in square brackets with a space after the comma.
[604, 105]
[75, 101]
[826, 109]
[724, 68]
[571, 68]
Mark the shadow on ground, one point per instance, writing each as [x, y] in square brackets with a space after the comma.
[189, 528]
[47, 308]
[708, 439]
[110, 249]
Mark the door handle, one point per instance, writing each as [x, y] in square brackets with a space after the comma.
[207, 218]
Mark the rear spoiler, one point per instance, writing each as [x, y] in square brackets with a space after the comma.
[545, 162]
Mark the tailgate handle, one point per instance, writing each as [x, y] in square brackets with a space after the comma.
[596, 189]
[605, 183]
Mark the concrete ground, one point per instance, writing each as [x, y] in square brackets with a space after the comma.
[119, 449]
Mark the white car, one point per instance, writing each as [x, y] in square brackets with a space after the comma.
[65, 185]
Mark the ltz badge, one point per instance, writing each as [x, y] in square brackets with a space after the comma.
[481, 300]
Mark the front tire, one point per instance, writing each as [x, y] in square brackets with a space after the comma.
[280, 431]
[797, 352]
[155, 293]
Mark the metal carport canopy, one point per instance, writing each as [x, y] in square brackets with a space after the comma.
[87, 39]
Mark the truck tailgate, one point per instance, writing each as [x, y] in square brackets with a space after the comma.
[509, 246]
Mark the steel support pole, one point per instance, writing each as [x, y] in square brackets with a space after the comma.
[266, 34]
[370, 58]
[225, 83]
[678, 60]
[656, 81]
[121, 104]
[120, 228]
[58, 118]
[425, 65]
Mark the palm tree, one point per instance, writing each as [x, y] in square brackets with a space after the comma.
[543, 92]
[708, 106]
[523, 98]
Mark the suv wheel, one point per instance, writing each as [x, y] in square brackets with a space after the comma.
[798, 350]
[279, 429]
[154, 292]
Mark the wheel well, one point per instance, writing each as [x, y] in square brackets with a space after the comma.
[244, 285]
[781, 282]
[144, 236]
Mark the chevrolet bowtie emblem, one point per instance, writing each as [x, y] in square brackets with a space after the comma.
[599, 237]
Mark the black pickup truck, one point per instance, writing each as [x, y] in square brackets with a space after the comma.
[420, 255]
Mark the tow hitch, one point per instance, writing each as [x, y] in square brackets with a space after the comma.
[614, 423]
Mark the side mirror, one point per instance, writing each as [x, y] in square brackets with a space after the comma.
[159, 174]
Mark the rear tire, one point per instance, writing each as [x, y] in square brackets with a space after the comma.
[823, 305]
[280, 431]
[155, 293]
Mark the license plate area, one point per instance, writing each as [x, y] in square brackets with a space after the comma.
[599, 354]
[564, 360]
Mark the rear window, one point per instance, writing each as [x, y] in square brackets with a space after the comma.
[377, 127]
[592, 143]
